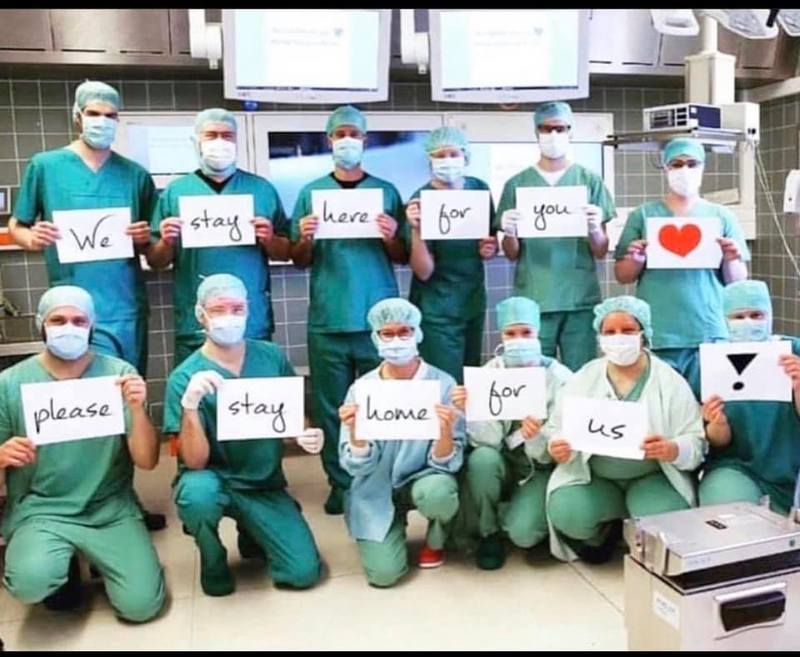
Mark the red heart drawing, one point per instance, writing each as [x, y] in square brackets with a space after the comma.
[681, 240]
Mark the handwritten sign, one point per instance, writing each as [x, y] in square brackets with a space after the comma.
[397, 410]
[683, 243]
[217, 220]
[552, 211]
[92, 235]
[76, 409]
[745, 371]
[454, 214]
[505, 394]
[604, 426]
[347, 213]
[266, 407]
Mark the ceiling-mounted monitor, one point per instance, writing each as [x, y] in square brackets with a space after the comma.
[306, 55]
[509, 55]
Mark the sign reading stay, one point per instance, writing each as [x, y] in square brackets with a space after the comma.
[264, 407]
[217, 220]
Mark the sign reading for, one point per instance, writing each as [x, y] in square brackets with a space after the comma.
[505, 394]
[552, 211]
[217, 220]
[397, 410]
[604, 426]
[683, 243]
[347, 213]
[454, 214]
[266, 407]
[91, 235]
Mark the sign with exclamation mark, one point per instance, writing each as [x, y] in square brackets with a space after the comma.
[745, 371]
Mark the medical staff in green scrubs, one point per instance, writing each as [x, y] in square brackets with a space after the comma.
[559, 273]
[449, 280]
[348, 276]
[85, 175]
[215, 133]
[77, 495]
[755, 445]
[686, 303]
[241, 479]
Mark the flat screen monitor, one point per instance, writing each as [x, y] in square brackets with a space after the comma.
[509, 55]
[306, 55]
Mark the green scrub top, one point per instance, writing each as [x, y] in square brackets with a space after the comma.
[765, 443]
[60, 180]
[243, 464]
[559, 273]
[456, 289]
[686, 304]
[87, 482]
[348, 276]
[249, 263]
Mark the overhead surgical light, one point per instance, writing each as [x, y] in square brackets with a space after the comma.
[790, 21]
[749, 23]
[675, 22]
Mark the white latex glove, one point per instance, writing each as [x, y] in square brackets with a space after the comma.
[509, 221]
[311, 440]
[201, 384]
[594, 217]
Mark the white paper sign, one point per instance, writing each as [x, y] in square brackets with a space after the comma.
[552, 211]
[347, 213]
[454, 214]
[505, 394]
[397, 410]
[76, 409]
[745, 371]
[266, 407]
[217, 220]
[605, 426]
[91, 235]
[683, 243]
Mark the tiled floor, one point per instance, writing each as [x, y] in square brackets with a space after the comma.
[528, 605]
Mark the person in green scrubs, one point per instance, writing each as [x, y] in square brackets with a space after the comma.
[215, 132]
[348, 276]
[449, 280]
[241, 479]
[559, 273]
[755, 445]
[85, 175]
[588, 494]
[508, 467]
[77, 496]
[687, 303]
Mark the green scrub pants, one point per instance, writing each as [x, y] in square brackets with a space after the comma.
[686, 361]
[435, 496]
[125, 339]
[452, 344]
[722, 485]
[572, 333]
[272, 518]
[336, 360]
[39, 553]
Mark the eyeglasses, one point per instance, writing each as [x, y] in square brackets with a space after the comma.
[405, 333]
[679, 164]
[218, 311]
[545, 129]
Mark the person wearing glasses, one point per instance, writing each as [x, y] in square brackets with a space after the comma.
[686, 303]
[559, 273]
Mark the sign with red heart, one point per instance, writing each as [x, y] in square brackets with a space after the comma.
[683, 242]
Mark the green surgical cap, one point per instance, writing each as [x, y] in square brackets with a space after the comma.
[682, 146]
[555, 110]
[625, 304]
[221, 285]
[64, 295]
[746, 295]
[91, 91]
[214, 115]
[394, 309]
[346, 115]
[446, 136]
[518, 310]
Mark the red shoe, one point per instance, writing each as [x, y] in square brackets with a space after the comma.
[430, 558]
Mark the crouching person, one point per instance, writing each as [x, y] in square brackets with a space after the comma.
[241, 479]
[392, 477]
[77, 496]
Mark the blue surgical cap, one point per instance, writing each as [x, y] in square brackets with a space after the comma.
[214, 115]
[64, 295]
[220, 285]
[394, 309]
[682, 146]
[518, 310]
[638, 308]
[446, 136]
[346, 115]
[746, 295]
[554, 110]
[92, 91]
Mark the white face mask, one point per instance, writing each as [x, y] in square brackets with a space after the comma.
[347, 152]
[67, 342]
[554, 145]
[226, 330]
[685, 181]
[749, 330]
[621, 349]
[448, 169]
[398, 351]
[218, 156]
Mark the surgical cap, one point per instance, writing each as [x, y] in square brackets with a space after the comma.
[220, 285]
[64, 295]
[743, 295]
[625, 304]
[394, 309]
[682, 146]
[346, 115]
[518, 310]
[91, 91]
[214, 115]
[555, 110]
[446, 136]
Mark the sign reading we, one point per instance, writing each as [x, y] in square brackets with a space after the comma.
[92, 235]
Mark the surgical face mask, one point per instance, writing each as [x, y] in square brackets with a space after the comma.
[226, 330]
[67, 342]
[98, 131]
[554, 145]
[621, 349]
[685, 181]
[521, 352]
[347, 152]
[398, 351]
[749, 330]
[448, 169]
[217, 157]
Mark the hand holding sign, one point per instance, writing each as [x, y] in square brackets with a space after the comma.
[791, 365]
[659, 448]
[170, 229]
[552, 211]
[263, 230]
[347, 416]
[134, 390]
[348, 213]
[560, 450]
[43, 234]
[217, 220]
[139, 232]
[713, 412]
[387, 225]
[683, 242]
[730, 249]
[603, 426]
[92, 235]
[454, 214]
[17, 452]
[308, 227]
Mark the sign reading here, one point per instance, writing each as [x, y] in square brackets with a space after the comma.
[347, 213]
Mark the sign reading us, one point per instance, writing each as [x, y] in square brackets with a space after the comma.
[604, 426]
[683, 243]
